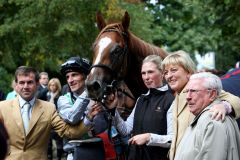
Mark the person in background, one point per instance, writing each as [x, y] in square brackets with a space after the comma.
[29, 121]
[13, 93]
[54, 91]
[237, 65]
[2, 96]
[4, 138]
[150, 122]
[65, 89]
[42, 88]
[206, 138]
[177, 68]
[231, 84]
[43, 79]
[74, 106]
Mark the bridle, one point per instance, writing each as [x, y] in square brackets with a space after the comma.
[117, 78]
[124, 52]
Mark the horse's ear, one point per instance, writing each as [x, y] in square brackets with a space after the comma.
[100, 21]
[126, 20]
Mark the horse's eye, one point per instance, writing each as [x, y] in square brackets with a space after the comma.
[116, 50]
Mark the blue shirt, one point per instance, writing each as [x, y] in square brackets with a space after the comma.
[22, 102]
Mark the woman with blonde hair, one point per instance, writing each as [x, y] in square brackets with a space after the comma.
[54, 91]
[177, 69]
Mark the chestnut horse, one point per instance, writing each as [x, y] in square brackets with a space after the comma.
[118, 56]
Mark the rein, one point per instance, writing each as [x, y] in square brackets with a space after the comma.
[126, 93]
[117, 78]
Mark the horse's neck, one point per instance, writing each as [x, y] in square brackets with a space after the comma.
[141, 49]
[138, 50]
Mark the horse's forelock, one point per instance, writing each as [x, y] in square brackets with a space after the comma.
[115, 26]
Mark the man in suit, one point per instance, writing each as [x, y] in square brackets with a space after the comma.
[29, 138]
[3, 141]
[42, 87]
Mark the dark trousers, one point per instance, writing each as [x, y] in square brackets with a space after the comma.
[89, 151]
[59, 143]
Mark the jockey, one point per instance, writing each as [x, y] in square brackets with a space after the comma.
[75, 106]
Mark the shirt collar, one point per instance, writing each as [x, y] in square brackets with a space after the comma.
[22, 101]
[82, 94]
[195, 120]
[162, 88]
[43, 86]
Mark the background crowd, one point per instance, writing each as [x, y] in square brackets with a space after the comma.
[156, 125]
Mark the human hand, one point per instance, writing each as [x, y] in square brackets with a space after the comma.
[94, 110]
[218, 111]
[111, 100]
[140, 139]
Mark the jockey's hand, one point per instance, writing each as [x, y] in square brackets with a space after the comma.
[218, 111]
[139, 139]
[111, 100]
[94, 110]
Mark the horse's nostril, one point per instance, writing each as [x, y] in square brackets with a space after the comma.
[94, 89]
[96, 85]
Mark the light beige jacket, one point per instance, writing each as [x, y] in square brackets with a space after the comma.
[207, 139]
[182, 117]
[44, 118]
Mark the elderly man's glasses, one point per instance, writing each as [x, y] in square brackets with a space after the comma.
[194, 91]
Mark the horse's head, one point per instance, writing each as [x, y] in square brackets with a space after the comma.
[110, 56]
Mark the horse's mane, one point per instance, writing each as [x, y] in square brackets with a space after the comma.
[143, 48]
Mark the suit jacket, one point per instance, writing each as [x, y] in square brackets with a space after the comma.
[182, 117]
[44, 118]
[42, 93]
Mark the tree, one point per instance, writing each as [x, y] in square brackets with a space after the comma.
[200, 26]
[228, 22]
[45, 33]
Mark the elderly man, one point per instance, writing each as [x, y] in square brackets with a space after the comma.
[206, 138]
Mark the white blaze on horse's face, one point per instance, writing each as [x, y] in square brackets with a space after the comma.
[103, 43]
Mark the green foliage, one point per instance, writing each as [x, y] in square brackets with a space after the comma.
[200, 26]
[44, 33]
[5, 81]
[141, 21]
[227, 20]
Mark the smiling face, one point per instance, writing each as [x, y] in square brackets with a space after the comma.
[198, 97]
[176, 77]
[26, 86]
[76, 81]
[151, 75]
